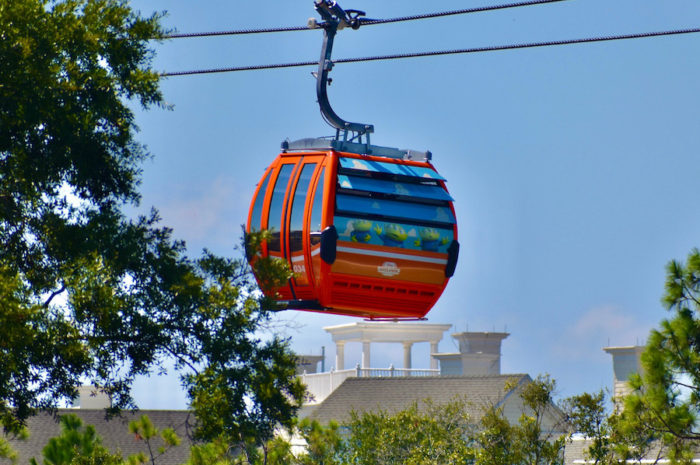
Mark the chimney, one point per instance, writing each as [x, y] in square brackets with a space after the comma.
[481, 352]
[626, 361]
[92, 397]
[308, 364]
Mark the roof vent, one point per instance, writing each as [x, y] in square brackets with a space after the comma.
[626, 361]
[479, 354]
[92, 397]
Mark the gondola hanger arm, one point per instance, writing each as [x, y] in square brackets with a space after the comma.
[334, 19]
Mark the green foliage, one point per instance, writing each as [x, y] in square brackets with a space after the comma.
[88, 293]
[325, 445]
[143, 430]
[7, 452]
[588, 416]
[249, 387]
[664, 407]
[99, 456]
[277, 451]
[76, 445]
[495, 440]
[429, 434]
[537, 437]
[215, 452]
[540, 427]
[433, 434]
[272, 272]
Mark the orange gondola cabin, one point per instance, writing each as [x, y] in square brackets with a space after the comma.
[369, 231]
[373, 236]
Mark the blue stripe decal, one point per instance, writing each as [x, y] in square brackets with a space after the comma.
[390, 168]
[394, 209]
[424, 191]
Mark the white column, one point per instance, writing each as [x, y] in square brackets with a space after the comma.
[365, 354]
[433, 360]
[339, 355]
[407, 354]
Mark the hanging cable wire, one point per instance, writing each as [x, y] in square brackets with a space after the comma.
[365, 21]
[368, 21]
[491, 48]
[235, 32]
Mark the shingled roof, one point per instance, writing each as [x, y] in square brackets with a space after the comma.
[114, 433]
[398, 393]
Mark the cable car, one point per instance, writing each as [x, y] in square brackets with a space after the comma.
[368, 231]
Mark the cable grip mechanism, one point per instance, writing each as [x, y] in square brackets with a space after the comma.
[334, 19]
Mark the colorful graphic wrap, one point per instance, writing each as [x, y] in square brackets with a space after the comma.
[393, 234]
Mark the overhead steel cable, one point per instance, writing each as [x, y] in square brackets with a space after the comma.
[364, 21]
[491, 48]
[235, 32]
[368, 21]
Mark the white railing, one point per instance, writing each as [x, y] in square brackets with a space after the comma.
[320, 385]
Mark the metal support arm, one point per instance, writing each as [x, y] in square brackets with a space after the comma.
[334, 18]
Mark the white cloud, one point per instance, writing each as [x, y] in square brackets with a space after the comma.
[209, 218]
[604, 325]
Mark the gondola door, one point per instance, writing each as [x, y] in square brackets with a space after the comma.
[277, 213]
[297, 230]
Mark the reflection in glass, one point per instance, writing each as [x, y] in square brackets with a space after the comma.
[257, 207]
[317, 209]
[296, 222]
[275, 219]
[395, 209]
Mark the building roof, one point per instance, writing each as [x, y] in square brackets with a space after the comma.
[398, 393]
[385, 331]
[114, 433]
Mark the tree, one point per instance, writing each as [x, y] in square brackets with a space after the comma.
[664, 406]
[143, 430]
[430, 434]
[419, 435]
[75, 443]
[540, 429]
[216, 452]
[87, 293]
[99, 456]
[588, 416]
[537, 438]
[495, 441]
[6, 450]
[325, 445]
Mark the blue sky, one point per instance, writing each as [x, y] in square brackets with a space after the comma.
[574, 168]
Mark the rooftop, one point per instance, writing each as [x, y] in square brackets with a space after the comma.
[397, 393]
[114, 433]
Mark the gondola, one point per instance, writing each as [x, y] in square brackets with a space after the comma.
[368, 231]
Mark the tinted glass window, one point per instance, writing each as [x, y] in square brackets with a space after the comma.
[258, 205]
[394, 209]
[396, 169]
[296, 222]
[317, 209]
[384, 186]
[276, 206]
